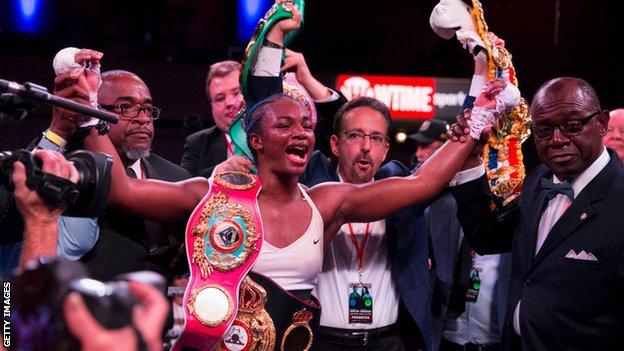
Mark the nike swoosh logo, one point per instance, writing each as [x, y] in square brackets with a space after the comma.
[316, 241]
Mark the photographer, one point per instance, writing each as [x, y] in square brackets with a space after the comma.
[148, 318]
[40, 239]
[75, 235]
[40, 218]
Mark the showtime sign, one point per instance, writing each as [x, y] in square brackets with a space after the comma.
[408, 97]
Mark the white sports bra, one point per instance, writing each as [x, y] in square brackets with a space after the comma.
[296, 266]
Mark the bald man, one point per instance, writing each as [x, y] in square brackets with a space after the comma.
[614, 139]
[128, 243]
[566, 235]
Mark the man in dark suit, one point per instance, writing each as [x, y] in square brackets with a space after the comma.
[395, 256]
[566, 236]
[207, 148]
[128, 243]
[462, 317]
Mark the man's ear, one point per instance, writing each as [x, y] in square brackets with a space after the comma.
[386, 148]
[333, 142]
[603, 118]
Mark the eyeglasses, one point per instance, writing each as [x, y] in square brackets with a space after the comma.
[569, 128]
[132, 111]
[219, 99]
[356, 137]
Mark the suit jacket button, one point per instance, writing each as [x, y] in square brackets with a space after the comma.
[527, 283]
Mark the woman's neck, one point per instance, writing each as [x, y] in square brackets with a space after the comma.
[279, 189]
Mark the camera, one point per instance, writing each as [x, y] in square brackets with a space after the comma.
[40, 292]
[87, 198]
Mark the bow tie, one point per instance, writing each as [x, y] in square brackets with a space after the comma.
[552, 189]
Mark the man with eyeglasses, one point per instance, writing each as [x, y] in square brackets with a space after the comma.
[207, 148]
[385, 260]
[566, 235]
[128, 243]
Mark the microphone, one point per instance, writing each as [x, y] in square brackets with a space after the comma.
[39, 94]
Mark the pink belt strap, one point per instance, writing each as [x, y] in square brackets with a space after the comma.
[223, 239]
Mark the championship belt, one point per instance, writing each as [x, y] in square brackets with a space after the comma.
[502, 155]
[294, 321]
[276, 13]
[223, 240]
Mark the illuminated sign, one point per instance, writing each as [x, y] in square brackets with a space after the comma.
[409, 97]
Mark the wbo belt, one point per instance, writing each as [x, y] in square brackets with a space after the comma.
[357, 337]
[223, 240]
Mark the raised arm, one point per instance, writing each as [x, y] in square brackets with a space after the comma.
[151, 199]
[341, 203]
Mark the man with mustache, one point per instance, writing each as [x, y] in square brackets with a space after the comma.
[359, 145]
[128, 243]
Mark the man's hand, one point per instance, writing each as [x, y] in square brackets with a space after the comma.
[495, 40]
[29, 203]
[76, 85]
[277, 33]
[460, 132]
[148, 317]
[295, 62]
[40, 218]
[235, 164]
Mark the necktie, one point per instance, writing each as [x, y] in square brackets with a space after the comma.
[552, 189]
[155, 235]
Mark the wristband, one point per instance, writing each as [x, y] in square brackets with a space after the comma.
[480, 118]
[269, 44]
[54, 138]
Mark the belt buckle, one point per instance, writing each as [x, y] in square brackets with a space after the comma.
[364, 334]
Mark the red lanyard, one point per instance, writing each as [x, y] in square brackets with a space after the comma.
[228, 144]
[361, 249]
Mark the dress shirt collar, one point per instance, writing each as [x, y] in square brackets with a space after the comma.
[588, 174]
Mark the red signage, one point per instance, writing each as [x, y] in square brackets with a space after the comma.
[407, 97]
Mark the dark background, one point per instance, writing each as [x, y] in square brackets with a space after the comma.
[170, 44]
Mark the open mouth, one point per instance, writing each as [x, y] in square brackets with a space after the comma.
[362, 163]
[297, 153]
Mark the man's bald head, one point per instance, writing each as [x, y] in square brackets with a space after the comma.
[568, 126]
[570, 86]
[110, 79]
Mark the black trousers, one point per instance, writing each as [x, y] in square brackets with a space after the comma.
[391, 343]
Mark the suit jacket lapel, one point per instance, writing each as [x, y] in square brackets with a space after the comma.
[580, 211]
[539, 205]
[219, 147]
